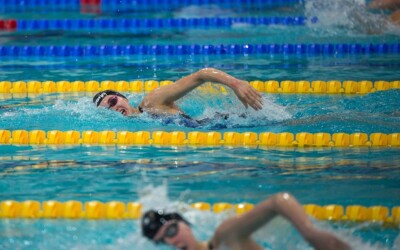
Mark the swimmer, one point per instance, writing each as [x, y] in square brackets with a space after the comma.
[385, 4]
[161, 101]
[392, 5]
[235, 232]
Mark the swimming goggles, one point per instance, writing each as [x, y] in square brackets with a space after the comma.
[100, 96]
[112, 101]
[170, 232]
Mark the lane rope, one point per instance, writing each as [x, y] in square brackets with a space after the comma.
[197, 49]
[139, 86]
[135, 4]
[136, 25]
[116, 210]
[197, 138]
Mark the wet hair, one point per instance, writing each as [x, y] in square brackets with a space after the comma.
[100, 96]
[153, 220]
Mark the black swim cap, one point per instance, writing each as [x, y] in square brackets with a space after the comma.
[153, 220]
[100, 96]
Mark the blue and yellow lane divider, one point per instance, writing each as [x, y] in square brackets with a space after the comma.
[139, 86]
[197, 138]
[195, 49]
[116, 210]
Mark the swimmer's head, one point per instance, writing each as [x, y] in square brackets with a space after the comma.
[113, 100]
[168, 228]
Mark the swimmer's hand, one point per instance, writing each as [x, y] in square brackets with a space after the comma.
[322, 240]
[247, 94]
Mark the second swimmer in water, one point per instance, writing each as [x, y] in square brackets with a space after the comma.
[235, 232]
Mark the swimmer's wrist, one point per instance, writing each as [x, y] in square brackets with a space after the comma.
[234, 84]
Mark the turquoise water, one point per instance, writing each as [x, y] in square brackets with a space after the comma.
[376, 112]
[174, 176]
[249, 67]
[325, 176]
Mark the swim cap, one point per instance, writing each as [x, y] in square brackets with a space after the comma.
[100, 96]
[153, 220]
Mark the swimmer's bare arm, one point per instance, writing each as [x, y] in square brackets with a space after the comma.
[167, 95]
[385, 4]
[240, 228]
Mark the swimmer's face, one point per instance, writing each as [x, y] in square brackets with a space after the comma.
[117, 103]
[177, 234]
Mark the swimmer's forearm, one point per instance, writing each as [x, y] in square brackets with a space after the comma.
[217, 76]
[285, 205]
[242, 227]
[243, 90]
[207, 75]
[170, 93]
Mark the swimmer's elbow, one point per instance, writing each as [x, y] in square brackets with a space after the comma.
[281, 200]
[207, 69]
[204, 73]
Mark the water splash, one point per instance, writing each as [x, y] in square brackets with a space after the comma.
[337, 16]
[226, 111]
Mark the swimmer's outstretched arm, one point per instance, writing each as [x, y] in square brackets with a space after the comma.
[239, 229]
[167, 95]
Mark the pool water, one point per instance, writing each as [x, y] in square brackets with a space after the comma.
[375, 112]
[172, 177]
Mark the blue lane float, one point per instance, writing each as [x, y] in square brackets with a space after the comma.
[113, 6]
[196, 49]
[198, 2]
[144, 3]
[167, 23]
[39, 2]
